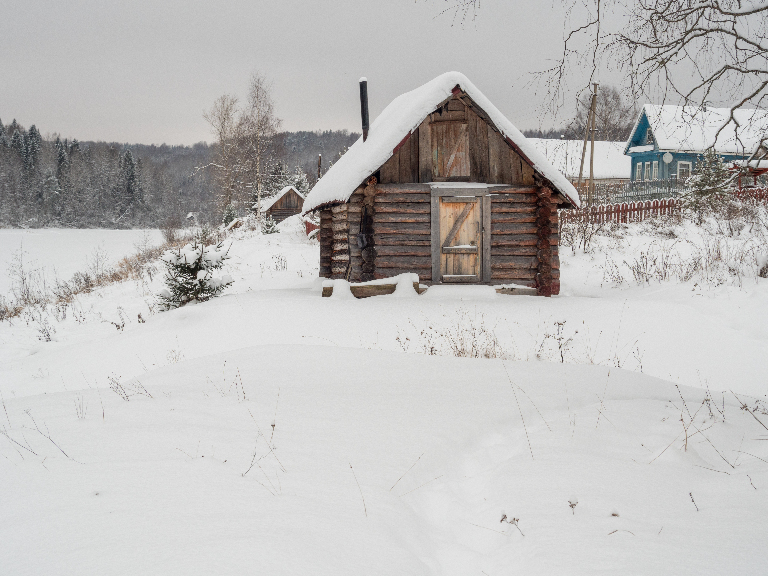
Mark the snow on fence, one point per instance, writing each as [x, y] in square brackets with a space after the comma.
[758, 194]
[625, 212]
[622, 213]
[620, 192]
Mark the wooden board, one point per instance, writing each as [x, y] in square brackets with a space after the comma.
[478, 149]
[499, 169]
[403, 197]
[425, 152]
[409, 159]
[390, 171]
[450, 150]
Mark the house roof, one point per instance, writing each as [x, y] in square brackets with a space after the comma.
[400, 119]
[693, 129]
[565, 155]
[269, 202]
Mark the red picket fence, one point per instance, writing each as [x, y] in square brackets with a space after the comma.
[622, 213]
[759, 194]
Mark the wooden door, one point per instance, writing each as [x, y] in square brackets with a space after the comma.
[461, 238]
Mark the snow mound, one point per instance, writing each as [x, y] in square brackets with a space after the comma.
[261, 461]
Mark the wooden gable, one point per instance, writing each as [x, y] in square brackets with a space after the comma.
[290, 201]
[456, 143]
[287, 205]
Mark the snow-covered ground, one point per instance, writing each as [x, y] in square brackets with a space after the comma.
[274, 431]
[59, 253]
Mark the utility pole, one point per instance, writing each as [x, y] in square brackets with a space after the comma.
[590, 127]
[591, 196]
[319, 164]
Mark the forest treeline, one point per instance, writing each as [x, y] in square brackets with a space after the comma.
[50, 181]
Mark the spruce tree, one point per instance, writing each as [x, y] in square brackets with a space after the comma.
[34, 141]
[130, 191]
[709, 186]
[62, 158]
[19, 144]
[300, 181]
[189, 274]
[229, 214]
[269, 226]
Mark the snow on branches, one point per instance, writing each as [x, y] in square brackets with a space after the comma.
[190, 274]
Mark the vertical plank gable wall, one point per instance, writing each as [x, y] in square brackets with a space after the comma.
[288, 205]
[401, 208]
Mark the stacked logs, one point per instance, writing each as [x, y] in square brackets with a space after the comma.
[368, 253]
[340, 245]
[545, 285]
[325, 237]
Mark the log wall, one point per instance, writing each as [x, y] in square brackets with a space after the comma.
[340, 241]
[402, 230]
[325, 238]
[516, 237]
[524, 236]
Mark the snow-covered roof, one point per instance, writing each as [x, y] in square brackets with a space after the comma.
[754, 164]
[692, 129]
[400, 118]
[269, 202]
[565, 155]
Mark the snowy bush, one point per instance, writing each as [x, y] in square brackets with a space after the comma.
[229, 214]
[465, 336]
[269, 226]
[726, 246]
[190, 274]
[762, 263]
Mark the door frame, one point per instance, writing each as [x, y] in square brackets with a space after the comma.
[483, 194]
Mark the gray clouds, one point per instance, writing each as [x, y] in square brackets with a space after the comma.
[144, 71]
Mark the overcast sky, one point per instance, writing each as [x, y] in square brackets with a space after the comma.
[143, 71]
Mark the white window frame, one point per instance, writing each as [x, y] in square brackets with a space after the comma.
[638, 171]
[647, 171]
[680, 164]
[655, 170]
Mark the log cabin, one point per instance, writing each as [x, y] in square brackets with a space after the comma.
[284, 204]
[441, 184]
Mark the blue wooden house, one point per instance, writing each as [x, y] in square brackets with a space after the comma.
[668, 141]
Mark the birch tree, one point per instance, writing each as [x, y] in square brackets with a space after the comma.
[223, 117]
[244, 137]
[259, 125]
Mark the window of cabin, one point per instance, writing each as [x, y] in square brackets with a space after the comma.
[638, 171]
[683, 170]
[450, 150]
[656, 170]
[649, 137]
[647, 171]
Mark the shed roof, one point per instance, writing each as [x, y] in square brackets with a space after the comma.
[401, 118]
[693, 129]
[565, 155]
[269, 202]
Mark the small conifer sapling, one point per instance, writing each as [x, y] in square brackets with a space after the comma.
[190, 274]
[269, 226]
